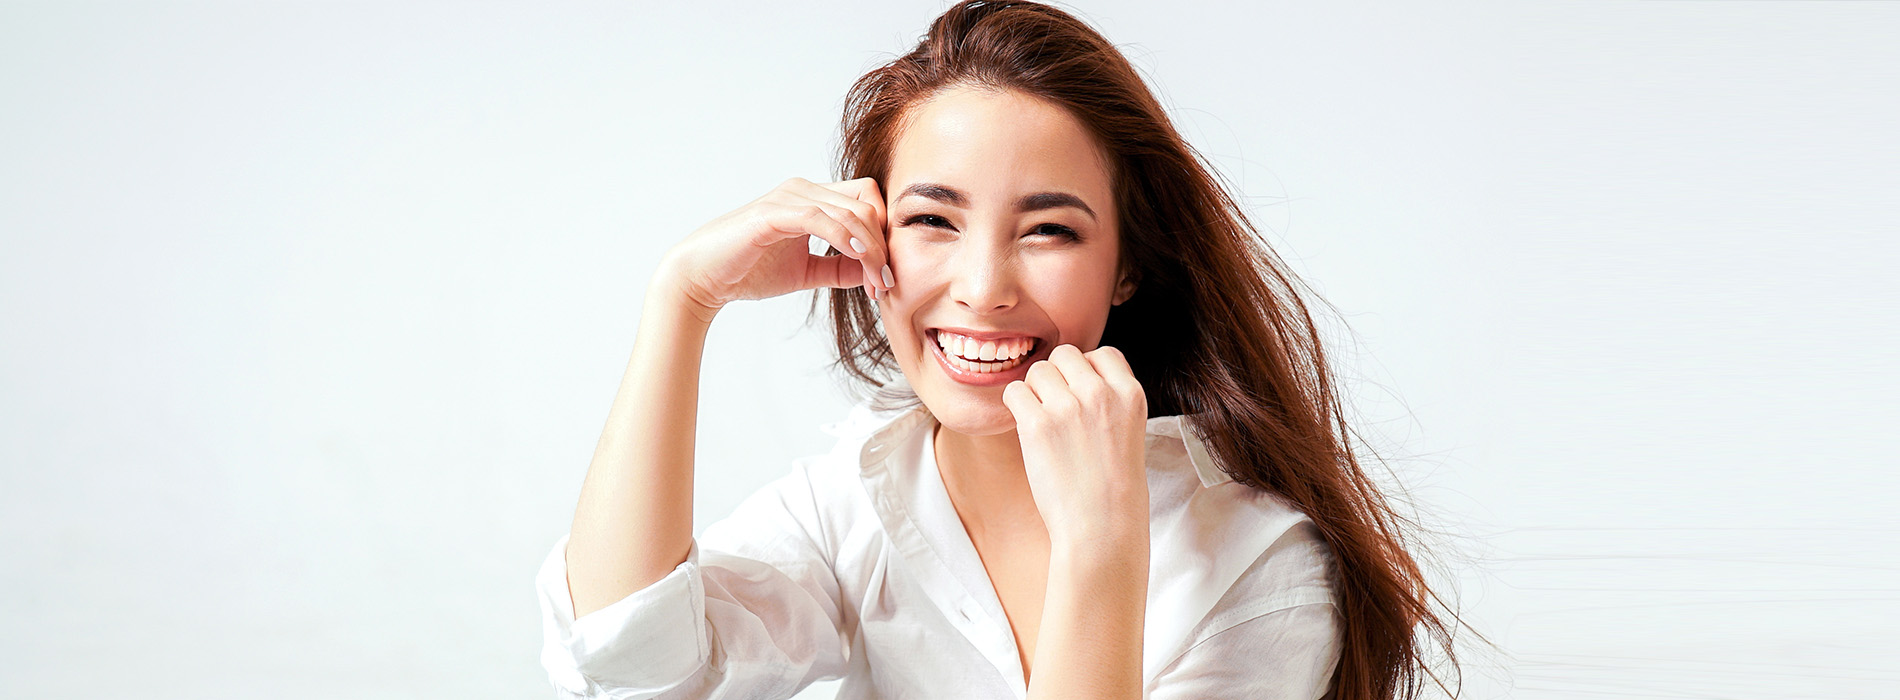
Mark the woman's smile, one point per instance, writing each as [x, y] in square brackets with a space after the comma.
[984, 359]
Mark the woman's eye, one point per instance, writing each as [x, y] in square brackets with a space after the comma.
[1057, 230]
[935, 221]
[927, 220]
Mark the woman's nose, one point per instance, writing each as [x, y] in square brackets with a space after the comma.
[983, 280]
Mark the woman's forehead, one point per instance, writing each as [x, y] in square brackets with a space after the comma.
[998, 145]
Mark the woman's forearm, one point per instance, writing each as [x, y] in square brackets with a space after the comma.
[1089, 643]
[634, 521]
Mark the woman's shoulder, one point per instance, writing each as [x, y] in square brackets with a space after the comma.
[1186, 479]
[867, 434]
[1221, 552]
[819, 498]
[1197, 511]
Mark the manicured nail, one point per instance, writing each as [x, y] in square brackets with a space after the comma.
[888, 280]
[857, 245]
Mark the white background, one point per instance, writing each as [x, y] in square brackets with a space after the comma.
[311, 313]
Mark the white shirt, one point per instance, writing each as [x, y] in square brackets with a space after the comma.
[856, 566]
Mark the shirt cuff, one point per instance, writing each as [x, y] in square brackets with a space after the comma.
[640, 646]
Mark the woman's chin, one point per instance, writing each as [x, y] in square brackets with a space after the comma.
[972, 416]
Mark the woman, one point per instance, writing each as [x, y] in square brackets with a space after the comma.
[1113, 464]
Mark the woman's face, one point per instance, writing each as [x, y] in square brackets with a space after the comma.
[1003, 242]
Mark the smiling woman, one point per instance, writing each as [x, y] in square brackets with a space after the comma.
[997, 241]
[1104, 457]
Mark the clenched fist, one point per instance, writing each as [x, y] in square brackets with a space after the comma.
[1082, 419]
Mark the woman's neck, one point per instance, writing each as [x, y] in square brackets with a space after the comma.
[985, 479]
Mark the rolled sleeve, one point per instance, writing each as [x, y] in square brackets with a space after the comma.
[638, 647]
[753, 612]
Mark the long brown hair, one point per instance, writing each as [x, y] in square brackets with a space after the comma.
[1218, 327]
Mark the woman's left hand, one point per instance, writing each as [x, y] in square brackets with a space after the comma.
[1082, 419]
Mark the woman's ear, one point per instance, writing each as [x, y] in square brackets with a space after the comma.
[1126, 288]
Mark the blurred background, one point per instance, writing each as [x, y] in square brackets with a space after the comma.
[311, 314]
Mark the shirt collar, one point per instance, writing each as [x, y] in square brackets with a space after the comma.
[873, 432]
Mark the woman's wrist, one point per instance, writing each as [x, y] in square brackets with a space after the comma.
[1117, 530]
[1114, 552]
[1093, 618]
[671, 292]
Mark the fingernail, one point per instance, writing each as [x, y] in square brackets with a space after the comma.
[857, 245]
[888, 280]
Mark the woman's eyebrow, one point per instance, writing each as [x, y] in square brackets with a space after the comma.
[941, 193]
[1051, 200]
[1032, 202]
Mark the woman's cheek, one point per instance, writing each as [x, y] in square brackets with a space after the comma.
[913, 264]
[1075, 297]
[1058, 282]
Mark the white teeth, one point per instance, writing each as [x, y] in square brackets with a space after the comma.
[983, 367]
[982, 356]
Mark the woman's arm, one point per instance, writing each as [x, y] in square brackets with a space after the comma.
[1089, 644]
[1081, 418]
[634, 522]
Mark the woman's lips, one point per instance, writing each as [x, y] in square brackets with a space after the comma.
[966, 371]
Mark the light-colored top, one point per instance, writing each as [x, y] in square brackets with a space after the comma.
[856, 566]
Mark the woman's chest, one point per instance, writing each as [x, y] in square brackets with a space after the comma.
[1018, 569]
[896, 589]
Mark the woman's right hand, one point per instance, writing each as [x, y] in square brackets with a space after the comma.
[762, 250]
